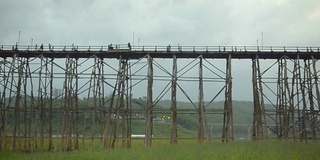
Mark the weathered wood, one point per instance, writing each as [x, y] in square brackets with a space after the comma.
[149, 113]
[292, 100]
[95, 97]
[137, 54]
[128, 104]
[107, 137]
[227, 134]
[25, 106]
[174, 131]
[316, 80]
[283, 102]
[304, 101]
[201, 129]
[16, 109]
[122, 106]
[3, 102]
[297, 99]
[312, 114]
[263, 122]
[118, 105]
[317, 92]
[256, 126]
[50, 105]
[76, 122]
[41, 103]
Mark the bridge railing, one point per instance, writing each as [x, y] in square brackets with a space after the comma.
[122, 47]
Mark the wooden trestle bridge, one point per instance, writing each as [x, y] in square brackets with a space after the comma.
[29, 100]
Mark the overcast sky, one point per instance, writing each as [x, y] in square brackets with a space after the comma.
[163, 22]
[186, 22]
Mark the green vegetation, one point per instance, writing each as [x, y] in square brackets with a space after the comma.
[187, 122]
[246, 150]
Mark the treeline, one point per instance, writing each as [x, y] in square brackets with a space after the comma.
[84, 108]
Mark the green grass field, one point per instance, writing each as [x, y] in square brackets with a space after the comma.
[268, 149]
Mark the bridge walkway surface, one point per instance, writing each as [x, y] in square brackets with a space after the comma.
[125, 52]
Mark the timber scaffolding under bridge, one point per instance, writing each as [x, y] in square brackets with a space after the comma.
[37, 115]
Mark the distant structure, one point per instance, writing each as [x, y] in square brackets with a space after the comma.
[28, 99]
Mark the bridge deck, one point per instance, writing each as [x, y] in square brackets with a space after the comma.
[222, 52]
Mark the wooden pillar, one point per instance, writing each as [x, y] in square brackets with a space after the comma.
[107, 137]
[3, 105]
[128, 103]
[304, 91]
[76, 122]
[294, 93]
[93, 85]
[256, 127]
[51, 106]
[316, 79]
[41, 100]
[16, 125]
[201, 113]
[149, 113]
[228, 114]
[123, 107]
[174, 132]
[67, 120]
[316, 84]
[263, 121]
[119, 102]
[25, 104]
[283, 102]
[312, 118]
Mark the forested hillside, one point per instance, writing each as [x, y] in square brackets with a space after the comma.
[187, 121]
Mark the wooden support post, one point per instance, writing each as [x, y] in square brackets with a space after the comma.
[259, 127]
[128, 103]
[11, 76]
[256, 128]
[76, 122]
[122, 107]
[41, 100]
[16, 125]
[304, 101]
[51, 105]
[263, 122]
[256, 112]
[299, 97]
[25, 103]
[284, 101]
[149, 113]
[107, 137]
[317, 96]
[294, 92]
[201, 113]
[316, 81]
[69, 106]
[174, 132]
[33, 118]
[228, 114]
[312, 118]
[67, 120]
[2, 107]
[93, 85]
[118, 104]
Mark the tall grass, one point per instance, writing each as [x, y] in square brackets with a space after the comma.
[268, 149]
